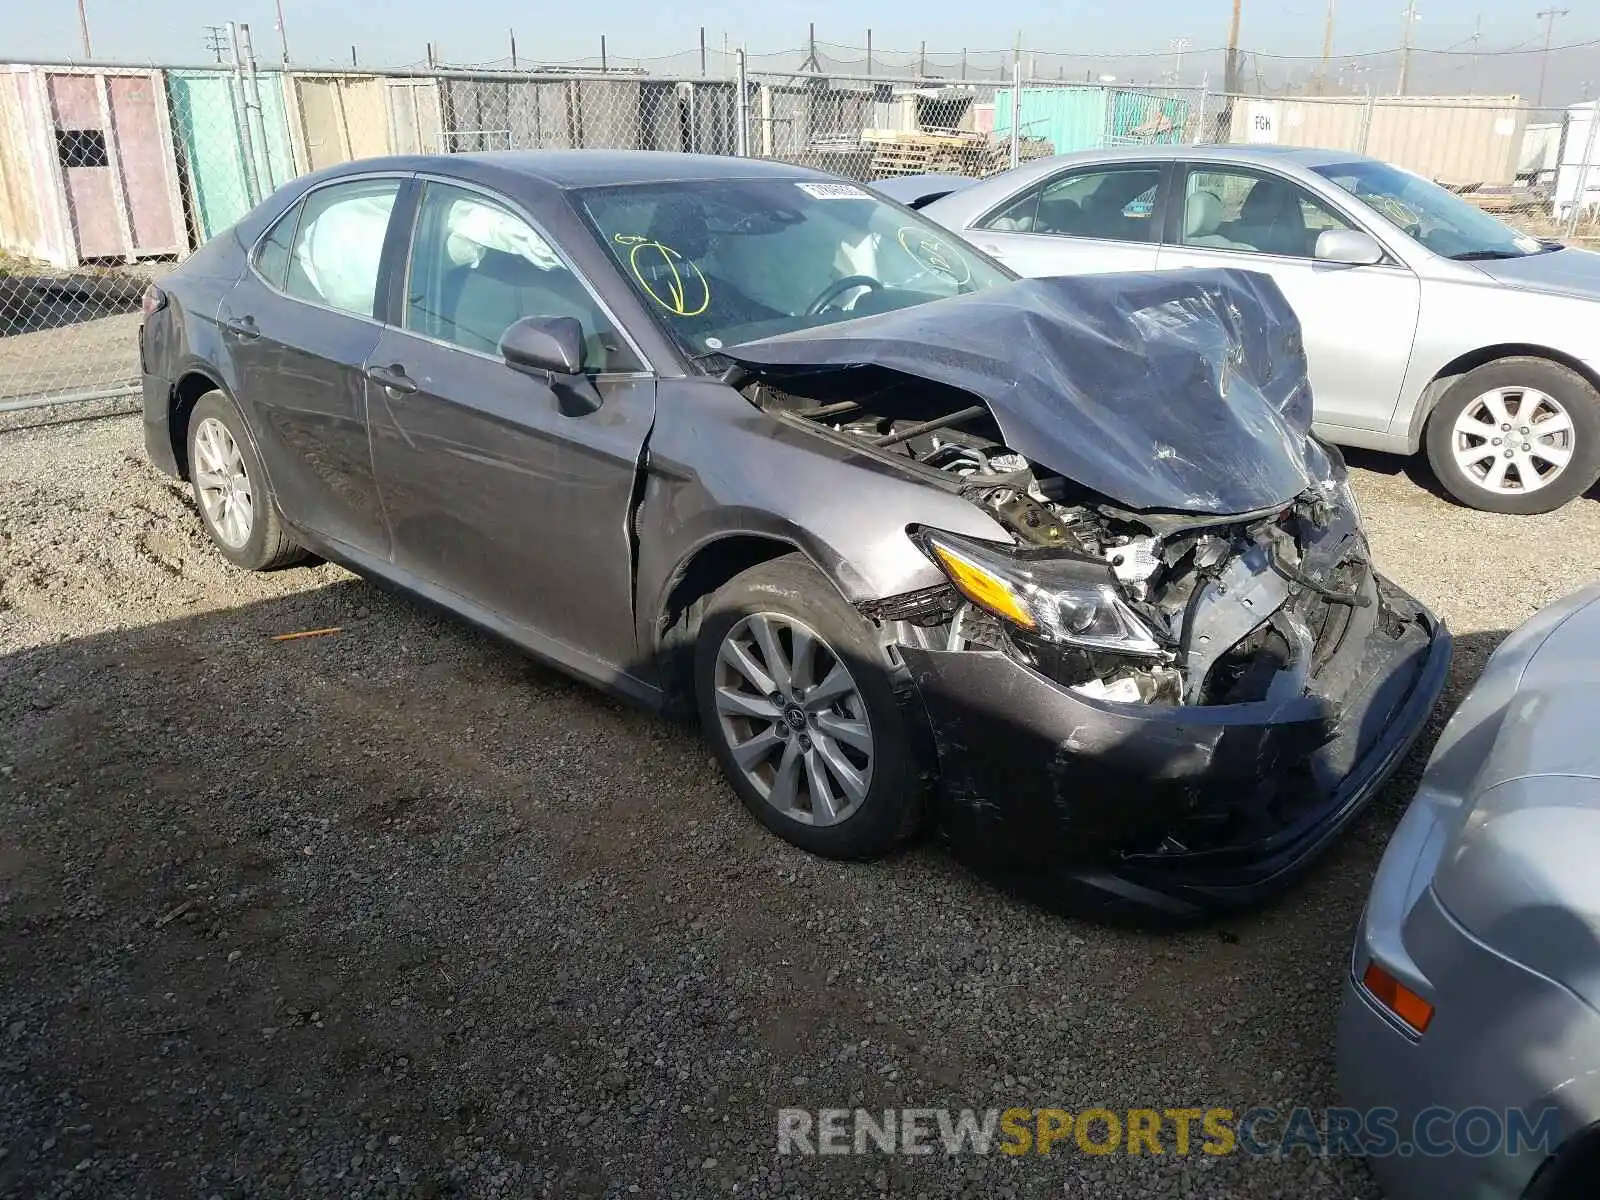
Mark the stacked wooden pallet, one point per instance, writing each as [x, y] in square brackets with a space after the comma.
[952, 152]
[945, 152]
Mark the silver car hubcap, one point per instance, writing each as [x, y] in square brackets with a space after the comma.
[1513, 440]
[793, 719]
[222, 483]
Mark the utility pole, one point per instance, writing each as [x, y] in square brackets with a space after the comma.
[216, 39]
[1327, 46]
[1178, 46]
[1472, 71]
[283, 34]
[1230, 69]
[869, 54]
[83, 28]
[1548, 16]
[513, 34]
[811, 63]
[1405, 47]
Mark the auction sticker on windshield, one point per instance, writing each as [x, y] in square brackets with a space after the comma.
[832, 191]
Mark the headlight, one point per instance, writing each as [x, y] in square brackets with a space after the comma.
[1345, 496]
[1060, 598]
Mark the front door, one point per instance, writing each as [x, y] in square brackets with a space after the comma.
[299, 328]
[1082, 221]
[497, 491]
[1358, 322]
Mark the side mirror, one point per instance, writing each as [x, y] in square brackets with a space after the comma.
[1352, 247]
[544, 346]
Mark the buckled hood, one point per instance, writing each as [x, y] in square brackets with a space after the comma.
[1179, 391]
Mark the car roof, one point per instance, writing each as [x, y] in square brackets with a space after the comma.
[1306, 156]
[584, 168]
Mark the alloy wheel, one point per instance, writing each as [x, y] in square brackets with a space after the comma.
[1513, 439]
[223, 484]
[793, 719]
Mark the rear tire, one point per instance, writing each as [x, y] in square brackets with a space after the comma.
[1485, 443]
[231, 491]
[796, 701]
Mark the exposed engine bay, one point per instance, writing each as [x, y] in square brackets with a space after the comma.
[1229, 610]
[1181, 537]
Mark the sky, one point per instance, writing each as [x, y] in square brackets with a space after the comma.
[397, 32]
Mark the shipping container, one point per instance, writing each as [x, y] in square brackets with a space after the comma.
[337, 118]
[232, 136]
[88, 166]
[416, 123]
[1452, 139]
[1072, 117]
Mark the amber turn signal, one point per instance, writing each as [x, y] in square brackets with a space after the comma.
[1388, 991]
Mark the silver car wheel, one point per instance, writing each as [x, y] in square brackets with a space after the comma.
[1513, 439]
[793, 719]
[223, 484]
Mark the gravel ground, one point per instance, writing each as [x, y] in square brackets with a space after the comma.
[397, 912]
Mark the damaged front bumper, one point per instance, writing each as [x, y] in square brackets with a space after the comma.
[1172, 810]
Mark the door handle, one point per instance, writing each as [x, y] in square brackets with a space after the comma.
[244, 327]
[393, 379]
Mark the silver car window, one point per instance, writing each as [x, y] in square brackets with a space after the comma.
[1226, 209]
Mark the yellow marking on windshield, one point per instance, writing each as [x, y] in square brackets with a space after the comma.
[935, 253]
[657, 268]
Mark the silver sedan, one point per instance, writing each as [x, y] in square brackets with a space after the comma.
[1471, 1016]
[1428, 323]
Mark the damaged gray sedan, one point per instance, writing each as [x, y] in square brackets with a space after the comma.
[1053, 566]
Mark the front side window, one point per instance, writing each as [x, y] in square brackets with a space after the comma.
[1244, 210]
[725, 261]
[338, 244]
[1117, 203]
[1441, 220]
[477, 268]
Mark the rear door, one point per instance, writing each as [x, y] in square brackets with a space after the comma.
[497, 490]
[299, 327]
[1358, 322]
[1088, 219]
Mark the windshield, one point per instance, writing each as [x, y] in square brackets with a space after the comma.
[728, 261]
[1441, 220]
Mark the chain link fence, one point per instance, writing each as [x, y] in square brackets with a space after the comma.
[109, 176]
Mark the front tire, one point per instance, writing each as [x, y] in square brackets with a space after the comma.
[795, 698]
[1519, 435]
[230, 489]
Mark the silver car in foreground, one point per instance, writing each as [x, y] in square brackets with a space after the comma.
[1428, 323]
[1471, 1004]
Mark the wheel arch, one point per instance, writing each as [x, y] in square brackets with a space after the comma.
[697, 576]
[1446, 376]
[1571, 1171]
[194, 383]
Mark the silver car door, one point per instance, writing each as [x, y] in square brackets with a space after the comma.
[1358, 321]
[1082, 221]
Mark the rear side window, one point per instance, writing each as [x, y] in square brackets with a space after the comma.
[1115, 203]
[338, 244]
[272, 255]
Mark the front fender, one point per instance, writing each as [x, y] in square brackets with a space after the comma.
[718, 467]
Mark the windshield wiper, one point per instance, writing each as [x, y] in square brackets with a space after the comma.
[1484, 255]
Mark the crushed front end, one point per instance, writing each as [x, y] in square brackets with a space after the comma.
[1172, 675]
[1269, 682]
